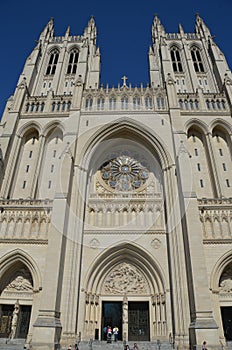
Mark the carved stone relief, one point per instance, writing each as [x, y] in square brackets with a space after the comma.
[156, 243]
[94, 243]
[20, 282]
[125, 279]
[226, 285]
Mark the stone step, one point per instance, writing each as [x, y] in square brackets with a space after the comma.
[12, 344]
[18, 344]
[103, 345]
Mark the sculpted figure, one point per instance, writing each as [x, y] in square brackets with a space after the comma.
[14, 321]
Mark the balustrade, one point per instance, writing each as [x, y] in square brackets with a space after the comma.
[25, 219]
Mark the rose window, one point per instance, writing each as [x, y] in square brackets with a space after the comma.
[124, 174]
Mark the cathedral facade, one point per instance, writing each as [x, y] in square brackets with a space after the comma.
[115, 203]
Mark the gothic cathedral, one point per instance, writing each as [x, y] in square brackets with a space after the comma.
[116, 205]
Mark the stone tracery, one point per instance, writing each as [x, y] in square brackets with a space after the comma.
[124, 173]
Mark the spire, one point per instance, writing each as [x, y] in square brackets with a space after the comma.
[91, 30]
[91, 22]
[201, 27]
[48, 31]
[157, 28]
[91, 25]
[181, 30]
[67, 33]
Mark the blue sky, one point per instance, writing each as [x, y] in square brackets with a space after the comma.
[124, 32]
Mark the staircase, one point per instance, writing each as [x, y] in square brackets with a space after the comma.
[12, 344]
[103, 345]
[19, 344]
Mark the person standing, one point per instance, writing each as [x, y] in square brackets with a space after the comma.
[109, 334]
[115, 332]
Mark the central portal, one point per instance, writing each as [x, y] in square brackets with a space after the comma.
[138, 321]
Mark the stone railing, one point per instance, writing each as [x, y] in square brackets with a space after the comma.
[208, 102]
[125, 212]
[216, 219]
[25, 219]
[129, 195]
[71, 38]
[124, 98]
[47, 104]
[215, 102]
[188, 36]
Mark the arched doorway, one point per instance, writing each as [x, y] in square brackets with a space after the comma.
[126, 288]
[16, 298]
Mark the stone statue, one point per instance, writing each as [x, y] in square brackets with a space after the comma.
[125, 310]
[14, 321]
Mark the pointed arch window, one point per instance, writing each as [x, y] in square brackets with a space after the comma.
[197, 60]
[68, 105]
[53, 60]
[27, 107]
[100, 103]
[136, 102]
[160, 102]
[112, 102]
[89, 103]
[73, 60]
[37, 107]
[124, 102]
[176, 61]
[148, 102]
[191, 104]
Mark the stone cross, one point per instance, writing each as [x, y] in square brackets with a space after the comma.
[124, 78]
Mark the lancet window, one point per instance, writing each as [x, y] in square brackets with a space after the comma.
[176, 60]
[53, 60]
[72, 64]
[197, 60]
